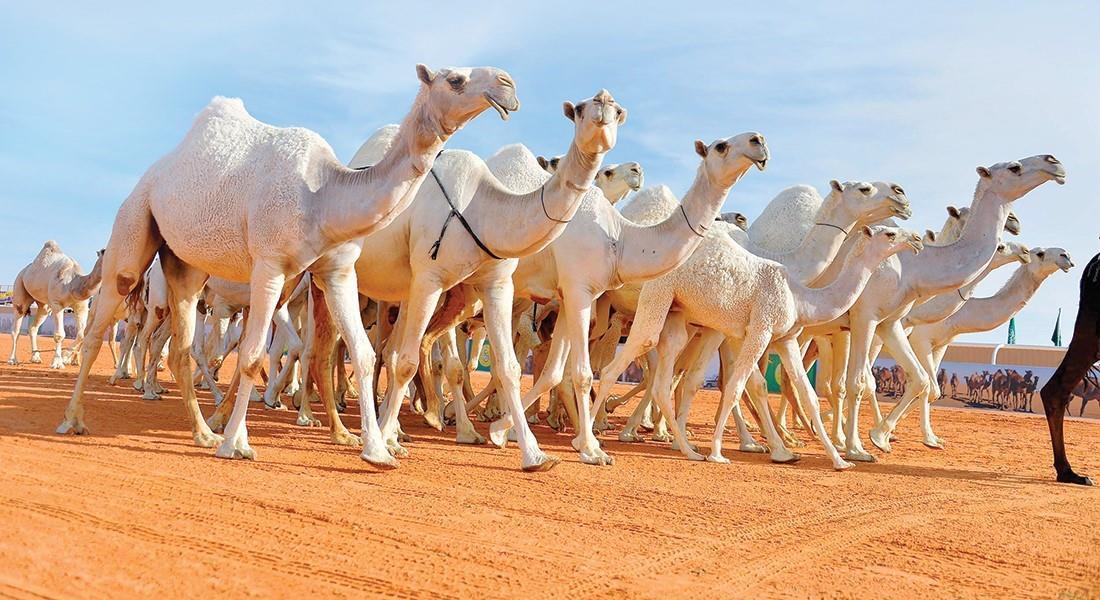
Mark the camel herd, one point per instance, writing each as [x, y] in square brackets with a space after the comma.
[412, 256]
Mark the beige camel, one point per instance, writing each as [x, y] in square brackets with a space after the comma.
[725, 288]
[602, 250]
[54, 282]
[246, 201]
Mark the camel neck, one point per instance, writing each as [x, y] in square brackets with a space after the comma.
[943, 268]
[83, 287]
[984, 314]
[821, 305]
[649, 252]
[819, 248]
[355, 203]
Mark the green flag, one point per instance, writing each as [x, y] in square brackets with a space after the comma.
[1056, 338]
[1012, 330]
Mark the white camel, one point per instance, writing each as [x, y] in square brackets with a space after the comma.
[54, 282]
[930, 340]
[602, 250]
[725, 288]
[901, 281]
[424, 254]
[246, 201]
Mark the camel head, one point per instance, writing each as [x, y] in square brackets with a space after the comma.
[865, 202]
[1011, 180]
[456, 95]
[617, 181]
[550, 165]
[1012, 251]
[883, 242]
[735, 218]
[597, 122]
[1049, 260]
[726, 160]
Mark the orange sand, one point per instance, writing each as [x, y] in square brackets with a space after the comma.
[135, 509]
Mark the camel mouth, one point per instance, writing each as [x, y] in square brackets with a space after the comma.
[1060, 178]
[761, 164]
[502, 110]
[901, 209]
[1066, 268]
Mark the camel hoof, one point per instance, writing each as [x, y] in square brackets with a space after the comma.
[36, 358]
[662, 436]
[692, 455]
[880, 439]
[138, 385]
[341, 407]
[785, 457]
[555, 422]
[235, 450]
[276, 405]
[542, 462]
[498, 434]
[344, 438]
[432, 419]
[306, 421]
[380, 458]
[752, 447]
[935, 443]
[716, 457]
[13, 361]
[630, 437]
[1074, 478]
[396, 450]
[207, 439]
[472, 438]
[71, 426]
[598, 459]
[533, 419]
[57, 364]
[150, 395]
[843, 465]
[859, 455]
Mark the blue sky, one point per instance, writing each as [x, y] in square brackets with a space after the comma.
[918, 94]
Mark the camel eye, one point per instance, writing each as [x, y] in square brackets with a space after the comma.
[721, 147]
[755, 140]
[891, 235]
[1015, 169]
[607, 174]
[866, 189]
[457, 82]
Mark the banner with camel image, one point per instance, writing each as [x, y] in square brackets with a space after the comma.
[1004, 387]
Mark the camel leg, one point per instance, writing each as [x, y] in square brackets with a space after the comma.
[151, 386]
[497, 296]
[447, 317]
[41, 312]
[552, 373]
[302, 398]
[125, 259]
[757, 388]
[674, 337]
[58, 312]
[455, 370]
[577, 312]
[184, 285]
[791, 358]
[1081, 354]
[752, 347]
[148, 327]
[862, 332]
[839, 357]
[695, 358]
[321, 370]
[917, 386]
[872, 397]
[293, 344]
[636, 420]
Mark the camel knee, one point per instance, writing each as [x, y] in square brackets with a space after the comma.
[510, 371]
[125, 283]
[405, 366]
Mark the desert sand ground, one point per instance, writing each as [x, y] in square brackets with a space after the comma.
[135, 509]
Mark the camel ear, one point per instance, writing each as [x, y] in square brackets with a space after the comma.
[542, 161]
[570, 111]
[954, 212]
[983, 172]
[866, 231]
[424, 73]
[700, 148]
[836, 186]
[931, 235]
[622, 115]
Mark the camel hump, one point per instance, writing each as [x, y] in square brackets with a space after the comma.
[52, 246]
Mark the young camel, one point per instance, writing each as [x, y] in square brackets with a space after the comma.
[415, 260]
[273, 202]
[54, 282]
[725, 288]
[602, 250]
[930, 341]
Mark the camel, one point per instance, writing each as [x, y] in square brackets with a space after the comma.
[615, 181]
[54, 282]
[1082, 353]
[944, 305]
[602, 250]
[1088, 390]
[930, 341]
[416, 260]
[889, 296]
[245, 201]
[727, 289]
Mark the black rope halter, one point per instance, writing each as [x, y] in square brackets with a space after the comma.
[690, 226]
[434, 251]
